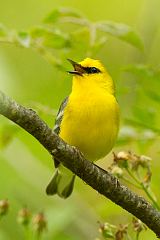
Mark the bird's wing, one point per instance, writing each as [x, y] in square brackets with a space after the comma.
[58, 121]
[59, 116]
[55, 185]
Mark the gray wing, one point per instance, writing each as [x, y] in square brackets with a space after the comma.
[58, 121]
[59, 116]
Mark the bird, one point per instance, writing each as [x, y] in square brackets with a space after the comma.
[88, 119]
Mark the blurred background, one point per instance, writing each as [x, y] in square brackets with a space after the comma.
[34, 75]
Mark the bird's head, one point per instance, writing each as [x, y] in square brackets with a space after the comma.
[91, 73]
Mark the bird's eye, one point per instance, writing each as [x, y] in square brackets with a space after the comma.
[92, 70]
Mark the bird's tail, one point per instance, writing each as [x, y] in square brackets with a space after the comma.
[62, 183]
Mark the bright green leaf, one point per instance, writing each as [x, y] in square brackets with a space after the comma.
[121, 31]
[53, 16]
[50, 38]
[56, 40]
[56, 14]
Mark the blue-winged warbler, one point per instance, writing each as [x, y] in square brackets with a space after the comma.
[88, 119]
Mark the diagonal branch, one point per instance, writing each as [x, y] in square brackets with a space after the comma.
[102, 181]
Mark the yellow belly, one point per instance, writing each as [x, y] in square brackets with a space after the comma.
[91, 124]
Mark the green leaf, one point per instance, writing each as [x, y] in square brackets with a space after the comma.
[53, 16]
[56, 14]
[121, 31]
[57, 40]
[50, 38]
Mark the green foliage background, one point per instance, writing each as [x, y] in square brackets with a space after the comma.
[25, 167]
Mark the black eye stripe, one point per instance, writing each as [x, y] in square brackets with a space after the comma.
[91, 70]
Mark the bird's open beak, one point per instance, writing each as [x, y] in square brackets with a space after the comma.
[78, 69]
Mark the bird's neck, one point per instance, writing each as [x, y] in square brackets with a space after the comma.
[83, 86]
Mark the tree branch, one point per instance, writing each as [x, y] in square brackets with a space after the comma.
[102, 181]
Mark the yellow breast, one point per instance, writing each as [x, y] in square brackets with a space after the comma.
[91, 122]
